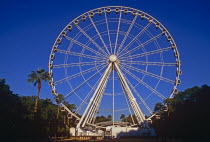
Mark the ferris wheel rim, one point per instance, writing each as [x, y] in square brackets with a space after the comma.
[167, 33]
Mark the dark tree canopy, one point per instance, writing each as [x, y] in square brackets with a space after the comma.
[188, 114]
[17, 119]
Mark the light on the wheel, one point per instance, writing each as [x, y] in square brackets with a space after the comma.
[173, 46]
[69, 27]
[57, 100]
[149, 121]
[175, 91]
[169, 38]
[108, 10]
[76, 22]
[69, 115]
[178, 81]
[117, 10]
[51, 83]
[52, 57]
[100, 12]
[62, 108]
[125, 11]
[163, 31]
[54, 92]
[59, 41]
[150, 20]
[63, 33]
[142, 16]
[157, 25]
[165, 108]
[157, 116]
[50, 65]
[50, 74]
[134, 13]
[83, 18]
[91, 14]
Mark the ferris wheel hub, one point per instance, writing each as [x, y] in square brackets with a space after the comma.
[112, 58]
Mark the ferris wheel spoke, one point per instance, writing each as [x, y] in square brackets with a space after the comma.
[89, 94]
[84, 46]
[107, 27]
[143, 83]
[79, 64]
[80, 54]
[135, 38]
[147, 53]
[83, 83]
[149, 74]
[126, 35]
[99, 34]
[141, 45]
[84, 33]
[149, 63]
[148, 96]
[77, 75]
[113, 93]
[118, 29]
[141, 99]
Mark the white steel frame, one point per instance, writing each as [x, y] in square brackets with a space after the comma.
[122, 65]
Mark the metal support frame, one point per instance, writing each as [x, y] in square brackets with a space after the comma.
[137, 111]
[96, 97]
[95, 101]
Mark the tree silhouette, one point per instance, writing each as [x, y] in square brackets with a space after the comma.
[189, 115]
[122, 117]
[37, 77]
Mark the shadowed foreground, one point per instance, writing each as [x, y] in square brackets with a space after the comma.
[137, 139]
[186, 121]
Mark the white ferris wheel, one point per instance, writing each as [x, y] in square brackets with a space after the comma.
[114, 60]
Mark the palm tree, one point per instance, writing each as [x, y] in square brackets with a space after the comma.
[37, 77]
[59, 99]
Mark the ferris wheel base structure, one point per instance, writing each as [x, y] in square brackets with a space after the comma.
[114, 132]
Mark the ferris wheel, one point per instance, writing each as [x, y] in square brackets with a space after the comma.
[114, 60]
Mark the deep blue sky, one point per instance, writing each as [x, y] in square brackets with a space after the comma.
[28, 30]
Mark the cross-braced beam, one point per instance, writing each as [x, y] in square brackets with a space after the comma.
[95, 100]
[137, 111]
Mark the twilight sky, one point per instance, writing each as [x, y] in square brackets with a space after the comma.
[29, 28]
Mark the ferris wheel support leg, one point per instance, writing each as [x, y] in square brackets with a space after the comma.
[131, 98]
[97, 101]
[94, 95]
[95, 105]
[90, 118]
